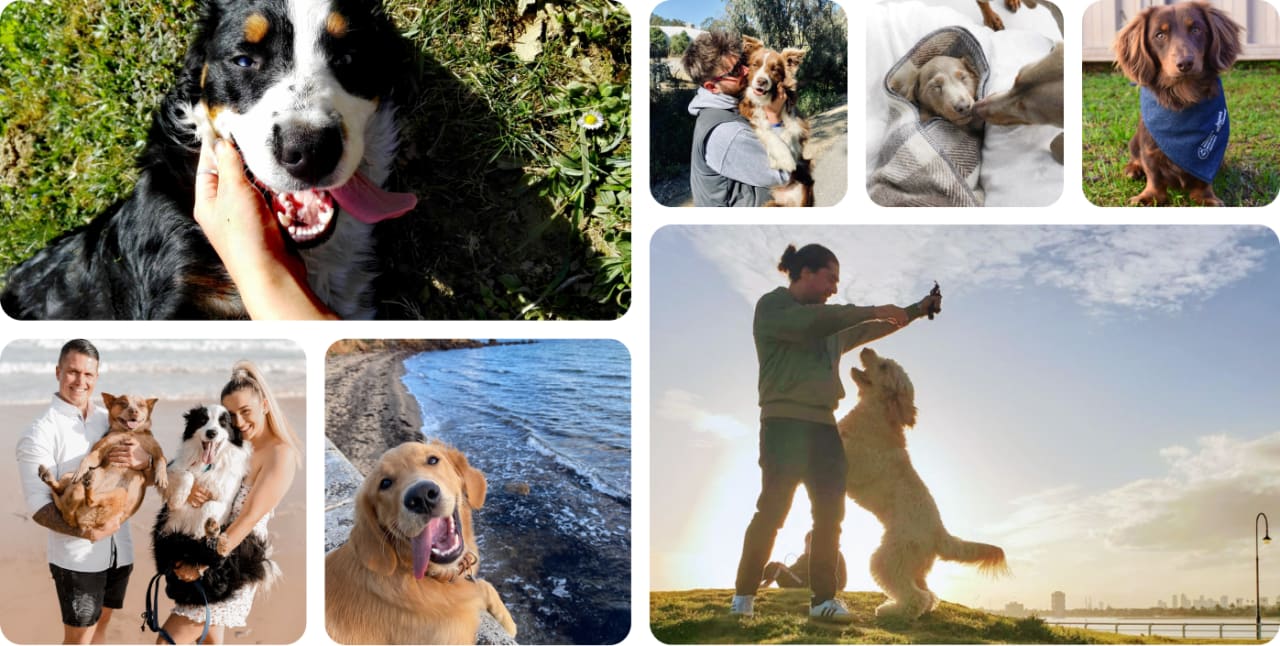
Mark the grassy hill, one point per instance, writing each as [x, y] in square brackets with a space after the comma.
[781, 617]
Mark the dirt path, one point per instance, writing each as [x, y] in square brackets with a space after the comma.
[828, 147]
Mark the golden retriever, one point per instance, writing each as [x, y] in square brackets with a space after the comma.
[881, 479]
[403, 575]
[97, 493]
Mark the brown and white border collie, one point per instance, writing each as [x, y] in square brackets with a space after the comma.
[304, 89]
[768, 73]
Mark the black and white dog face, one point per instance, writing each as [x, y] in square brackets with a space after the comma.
[212, 428]
[296, 85]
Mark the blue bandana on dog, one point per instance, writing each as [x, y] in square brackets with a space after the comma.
[1194, 138]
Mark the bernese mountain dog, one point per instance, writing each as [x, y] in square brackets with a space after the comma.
[304, 90]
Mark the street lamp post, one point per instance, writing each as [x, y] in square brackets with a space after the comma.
[1266, 538]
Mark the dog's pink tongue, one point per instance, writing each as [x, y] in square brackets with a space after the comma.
[368, 203]
[207, 456]
[422, 545]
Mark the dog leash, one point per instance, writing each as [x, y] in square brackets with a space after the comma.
[150, 616]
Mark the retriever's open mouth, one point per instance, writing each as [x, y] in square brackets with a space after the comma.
[440, 542]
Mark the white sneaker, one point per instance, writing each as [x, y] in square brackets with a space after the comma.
[743, 605]
[831, 610]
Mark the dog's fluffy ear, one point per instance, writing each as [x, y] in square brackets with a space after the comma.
[1132, 56]
[792, 57]
[1224, 37]
[367, 536]
[750, 45]
[859, 378]
[473, 482]
[903, 81]
[900, 395]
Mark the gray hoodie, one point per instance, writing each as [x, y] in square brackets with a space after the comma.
[731, 155]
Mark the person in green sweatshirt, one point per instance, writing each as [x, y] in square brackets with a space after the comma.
[799, 341]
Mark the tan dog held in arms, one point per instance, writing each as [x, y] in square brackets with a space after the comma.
[1034, 99]
[404, 575]
[97, 493]
[882, 480]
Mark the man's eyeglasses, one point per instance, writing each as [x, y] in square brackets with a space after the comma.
[735, 73]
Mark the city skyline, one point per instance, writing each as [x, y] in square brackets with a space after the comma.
[1098, 401]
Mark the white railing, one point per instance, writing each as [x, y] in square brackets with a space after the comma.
[1224, 630]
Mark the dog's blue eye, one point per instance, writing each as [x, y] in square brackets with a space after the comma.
[433, 460]
[243, 61]
[386, 483]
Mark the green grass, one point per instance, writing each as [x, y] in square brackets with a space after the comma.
[781, 617]
[522, 213]
[1250, 173]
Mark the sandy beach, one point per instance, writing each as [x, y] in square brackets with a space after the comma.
[28, 604]
[365, 421]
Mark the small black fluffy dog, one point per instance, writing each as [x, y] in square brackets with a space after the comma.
[247, 563]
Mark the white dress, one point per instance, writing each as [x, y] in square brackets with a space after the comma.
[232, 612]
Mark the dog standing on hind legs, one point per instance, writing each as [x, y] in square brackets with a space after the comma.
[882, 480]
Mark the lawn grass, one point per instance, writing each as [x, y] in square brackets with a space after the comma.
[1250, 173]
[522, 212]
[781, 617]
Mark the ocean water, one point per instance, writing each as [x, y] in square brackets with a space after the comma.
[168, 369]
[554, 416]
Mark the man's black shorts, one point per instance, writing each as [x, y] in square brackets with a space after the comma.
[83, 595]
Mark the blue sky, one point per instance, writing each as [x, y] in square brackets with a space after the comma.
[691, 11]
[1100, 401]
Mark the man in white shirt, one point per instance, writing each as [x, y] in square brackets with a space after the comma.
[90, 569]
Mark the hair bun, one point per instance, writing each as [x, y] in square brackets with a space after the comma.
[788, 259]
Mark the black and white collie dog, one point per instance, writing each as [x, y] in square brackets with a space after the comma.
[214, 456]
[303, 88]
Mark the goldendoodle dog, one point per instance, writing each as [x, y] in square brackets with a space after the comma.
[881, 479]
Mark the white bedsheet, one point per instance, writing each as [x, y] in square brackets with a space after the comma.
[1017, 169]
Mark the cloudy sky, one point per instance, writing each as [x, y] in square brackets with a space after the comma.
[1099, 401]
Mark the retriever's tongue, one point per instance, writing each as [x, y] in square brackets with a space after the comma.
[422, 545]
[368, 203]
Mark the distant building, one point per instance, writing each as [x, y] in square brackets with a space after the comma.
[1222, 601]
[1015, 609]
[1162, 605]
[1184, 602]
[1059, 604]
[1173, 601]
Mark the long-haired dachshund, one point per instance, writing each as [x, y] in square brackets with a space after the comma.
[1175, 54]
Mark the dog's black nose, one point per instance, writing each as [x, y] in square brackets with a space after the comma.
[307, 153]
[422, 497]
[211, 433]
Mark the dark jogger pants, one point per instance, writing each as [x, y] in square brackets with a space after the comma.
[793, 452]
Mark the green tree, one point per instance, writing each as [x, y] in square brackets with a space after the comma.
[679, 43]
[659, 44]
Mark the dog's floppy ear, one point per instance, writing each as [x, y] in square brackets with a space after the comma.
[367, 536]
[859, 378]
[904, 79]
[1132, 56]
[792, 57]
[473, 482]
[900, 395]
[1224, 37]
[750, 45]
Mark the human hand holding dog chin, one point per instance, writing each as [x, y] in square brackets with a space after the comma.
[244, 233]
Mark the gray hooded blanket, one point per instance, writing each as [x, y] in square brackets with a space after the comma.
[935, 163]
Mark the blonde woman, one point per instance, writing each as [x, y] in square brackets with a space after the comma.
[277, 454]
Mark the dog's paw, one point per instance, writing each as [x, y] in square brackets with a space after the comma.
[45, 474]
[1013, 5]
[211, 528]
[1134, 170]
[162, 480]
[224, 545]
